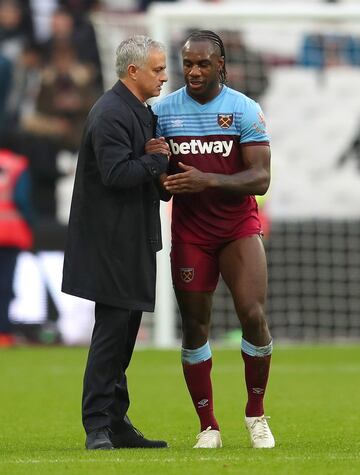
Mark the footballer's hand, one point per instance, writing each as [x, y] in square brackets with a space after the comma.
[158, 145]
[191, 180]
[162, 178]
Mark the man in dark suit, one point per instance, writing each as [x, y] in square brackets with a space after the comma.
[114, 234]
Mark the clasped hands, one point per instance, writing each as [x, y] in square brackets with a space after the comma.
[191, 180]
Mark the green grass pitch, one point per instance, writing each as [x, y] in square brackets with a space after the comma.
[313, 400]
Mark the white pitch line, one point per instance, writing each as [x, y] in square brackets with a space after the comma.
[176, 459]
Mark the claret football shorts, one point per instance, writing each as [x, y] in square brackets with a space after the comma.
[195, 267]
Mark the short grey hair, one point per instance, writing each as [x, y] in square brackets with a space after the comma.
[134, 50]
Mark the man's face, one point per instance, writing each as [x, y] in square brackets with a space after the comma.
[201, 67]
[151, 76]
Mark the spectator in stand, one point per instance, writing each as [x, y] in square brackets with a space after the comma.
[328, 50]
[247, 69]
[67, 92]
[66, 95]
[78, 32]
[26, 79]
[15, 28]
[15, 231]
[5, 85]
[15, 31]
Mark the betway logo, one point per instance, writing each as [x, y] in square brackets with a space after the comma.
[196, 146]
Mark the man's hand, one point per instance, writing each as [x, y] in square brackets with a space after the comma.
[191, 180]
[162, 178]
[158, 145]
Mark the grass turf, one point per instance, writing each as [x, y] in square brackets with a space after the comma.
[313, 398]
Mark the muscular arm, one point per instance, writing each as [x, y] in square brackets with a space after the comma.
[254, 180]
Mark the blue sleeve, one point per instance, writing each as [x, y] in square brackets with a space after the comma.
[252, 124]
[156, 110]
[22, 196]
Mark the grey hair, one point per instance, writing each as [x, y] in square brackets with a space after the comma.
[134, 50]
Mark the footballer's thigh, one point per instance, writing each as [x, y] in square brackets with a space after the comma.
[244, 269]
[195, 273]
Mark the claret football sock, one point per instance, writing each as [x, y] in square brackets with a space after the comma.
[198, 380]
[257, 366]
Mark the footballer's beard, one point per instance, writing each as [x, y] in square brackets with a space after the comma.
[206, 90]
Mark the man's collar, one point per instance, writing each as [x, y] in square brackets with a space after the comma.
[141, 110]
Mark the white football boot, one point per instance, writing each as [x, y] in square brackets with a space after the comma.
[259, 432]
[208, 439]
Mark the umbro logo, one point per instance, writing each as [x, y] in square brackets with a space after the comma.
[258, 390]
[176, 123]
[203, 403]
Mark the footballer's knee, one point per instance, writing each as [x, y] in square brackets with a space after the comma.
[254, 325]
[195, 333]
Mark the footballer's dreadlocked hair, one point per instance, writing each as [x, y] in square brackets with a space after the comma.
[202, 35]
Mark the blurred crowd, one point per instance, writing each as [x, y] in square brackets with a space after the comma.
[49, 78]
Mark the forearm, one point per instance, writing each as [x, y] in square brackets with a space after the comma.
[247, 182]
[130, 173]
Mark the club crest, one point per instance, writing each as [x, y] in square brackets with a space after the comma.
[225, 120]
[187, 274]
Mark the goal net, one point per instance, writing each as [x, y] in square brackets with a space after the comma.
[302, 63]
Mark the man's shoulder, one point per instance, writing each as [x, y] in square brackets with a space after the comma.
[109, 105]
[175, 97]
[238, 99]
[107, 99]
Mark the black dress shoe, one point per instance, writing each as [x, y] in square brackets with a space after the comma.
[131, 438]
[99, 439]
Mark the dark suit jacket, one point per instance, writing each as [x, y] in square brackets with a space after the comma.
[114, 227]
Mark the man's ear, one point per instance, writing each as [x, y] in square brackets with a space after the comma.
[132, 70]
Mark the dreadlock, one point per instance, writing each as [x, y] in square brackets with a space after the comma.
[208, 35]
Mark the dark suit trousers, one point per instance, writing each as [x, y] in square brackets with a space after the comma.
[105, 395]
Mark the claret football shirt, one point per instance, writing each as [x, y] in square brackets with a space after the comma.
[210, 137]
